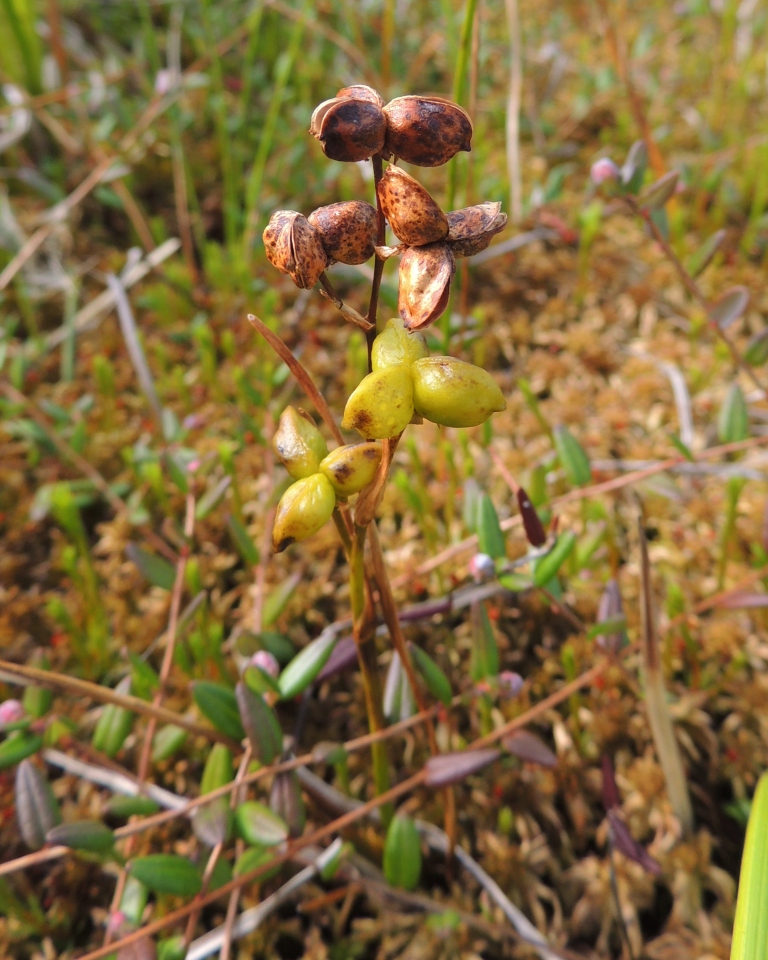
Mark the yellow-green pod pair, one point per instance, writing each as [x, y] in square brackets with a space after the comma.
[307, 504]
[405, 379]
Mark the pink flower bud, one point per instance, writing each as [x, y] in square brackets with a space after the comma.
[117, 921]
[603, 170]
[265, 661]
[482, 567]
[510, 684]
[11, 711]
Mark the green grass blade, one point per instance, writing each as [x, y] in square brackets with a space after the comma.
[750, 928]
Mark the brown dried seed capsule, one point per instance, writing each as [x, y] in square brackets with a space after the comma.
[471, 229]
[414, 216]
[348, 128]
[359, 91]
[426, 131]
[293, 246]
[425, 284]
[347, 230]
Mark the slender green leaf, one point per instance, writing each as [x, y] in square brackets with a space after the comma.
[548, 566]
[733, 419]
[436, 681]
[258, 825]
[242, 541]
[17, 747]
[219, 705]
[155, 569]
[402, 853]
[306, 665]
[90, 835]
[489, 533]
[750, 927]
[572, 456]
[167, 873]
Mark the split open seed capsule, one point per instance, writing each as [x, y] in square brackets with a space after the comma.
[471, 229]
[349, 128]
[454, 393]
[425, 284]
[382, 404]
[298, 443]
[347, 230]
[426, 131]
[352, 467]
[396, 345]
[293, 246]
[303, 509]
[414, 216]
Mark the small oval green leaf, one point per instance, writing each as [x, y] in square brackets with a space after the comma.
[572, 456]
[547, 566]
[489, 533]
[733, 420]
[306, 665]
[167, 873]
[124, 807]
[218, 704]
[155, 569]
[259, 826]
[167, 741]
[436, 681]
[18, 747]
[402, 853]
[91, 835]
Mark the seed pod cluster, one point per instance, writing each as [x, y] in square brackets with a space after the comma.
[356, 124]
[303, 247]
[322, 478]
[405, 380]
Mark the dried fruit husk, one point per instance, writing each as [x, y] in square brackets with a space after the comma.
[347, 230]
[414, 216]
[294, 247]
[471, 229]
[426, 131]
[425, 284]
[349, 128]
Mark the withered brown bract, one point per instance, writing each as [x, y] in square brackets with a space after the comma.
[425, 284]
[471, 229]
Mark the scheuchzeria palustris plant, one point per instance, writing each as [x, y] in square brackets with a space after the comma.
[404, 384]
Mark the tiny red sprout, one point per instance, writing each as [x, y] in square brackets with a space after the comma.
[11, 711]
[265, 661]
[498, 792]
[604, 170]
[732, 754]
[510, 684]
[482, 567]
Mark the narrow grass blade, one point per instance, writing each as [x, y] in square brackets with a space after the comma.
[750, 927]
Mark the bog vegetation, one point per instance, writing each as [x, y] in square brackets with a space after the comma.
[409, 599]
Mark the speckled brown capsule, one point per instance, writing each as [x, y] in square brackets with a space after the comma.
[471, 229]
[349, 128]
[425, 284]
[426, 131]
[414, 216]
[293, 246]
[347, 230]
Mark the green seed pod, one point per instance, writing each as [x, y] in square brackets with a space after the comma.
[396, 345]
[454, 393]
[382, 404]
[303, 509]
[298, 443]
[352, 467]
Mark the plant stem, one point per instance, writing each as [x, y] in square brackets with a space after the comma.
[378, 266]
[364, 632]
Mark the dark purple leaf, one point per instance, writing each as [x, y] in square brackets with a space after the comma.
[343, 657]
[448, 768]
[610, 610]
[625, 843]
[729, 307]
[611, 797]
[534, 529]
[528, 747]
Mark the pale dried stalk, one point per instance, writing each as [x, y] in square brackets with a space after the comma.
[659, 716]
